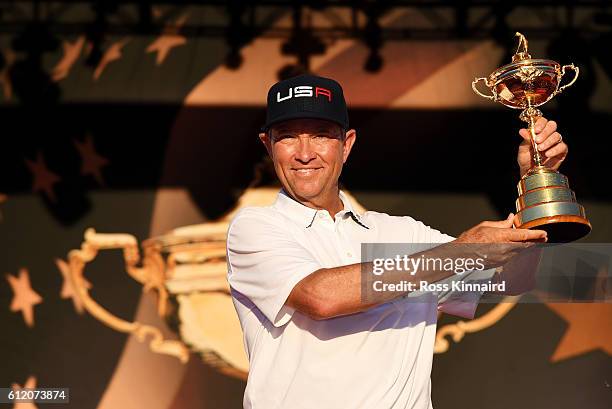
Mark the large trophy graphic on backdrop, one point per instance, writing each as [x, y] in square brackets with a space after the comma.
[545, 199]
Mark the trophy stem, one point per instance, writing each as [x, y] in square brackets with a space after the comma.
[531, 116]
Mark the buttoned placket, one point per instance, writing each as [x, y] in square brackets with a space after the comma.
[347, 250]
[322, 217]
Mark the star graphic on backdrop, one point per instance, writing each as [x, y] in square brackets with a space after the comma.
[163, 44]
[3, 198]
[44, 179]
[5, 78]
[168, 40]
[68, 290]
[29, 384]
[25, 298]
[71, 54]
[92, 162]
[113, 53]
[589, 328]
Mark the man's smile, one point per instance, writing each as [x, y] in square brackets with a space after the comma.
[306, 171]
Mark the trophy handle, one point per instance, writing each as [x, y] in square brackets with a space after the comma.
[476, 81]
[576, 72]
[148, 276]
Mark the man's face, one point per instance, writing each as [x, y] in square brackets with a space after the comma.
[308, 155]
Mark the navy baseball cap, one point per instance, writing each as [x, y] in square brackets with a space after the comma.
[306, 96]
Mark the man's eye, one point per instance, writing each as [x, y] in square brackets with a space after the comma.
[323, 135]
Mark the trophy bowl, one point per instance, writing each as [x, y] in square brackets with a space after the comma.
[509, 85]
[526, 83]
[545, 199]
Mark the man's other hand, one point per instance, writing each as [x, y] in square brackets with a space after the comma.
[550, 145]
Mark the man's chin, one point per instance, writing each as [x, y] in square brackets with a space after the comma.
[306, 192]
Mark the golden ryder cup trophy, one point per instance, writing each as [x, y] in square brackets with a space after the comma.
[545, 200]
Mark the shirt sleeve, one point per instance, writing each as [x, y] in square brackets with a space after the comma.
[422, 233]
[463, 303]
[265, 262]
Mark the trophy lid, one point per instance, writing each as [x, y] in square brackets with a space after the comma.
[522, 58]
[522, 52]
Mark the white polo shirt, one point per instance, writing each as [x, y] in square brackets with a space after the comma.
[379, 358]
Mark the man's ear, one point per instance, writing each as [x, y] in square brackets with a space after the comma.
[349, 141]
[264, 137]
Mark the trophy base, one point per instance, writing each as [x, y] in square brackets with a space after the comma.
[560, 229]
[547, 203]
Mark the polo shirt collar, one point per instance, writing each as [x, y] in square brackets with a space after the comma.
[350, 210]
[305, 215]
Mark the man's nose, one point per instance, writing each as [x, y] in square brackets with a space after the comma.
[305, 151]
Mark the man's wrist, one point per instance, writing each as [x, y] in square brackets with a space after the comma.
[498, 274]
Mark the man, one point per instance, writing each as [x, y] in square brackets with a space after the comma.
[295, 270]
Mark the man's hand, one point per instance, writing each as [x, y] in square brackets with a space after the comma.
[500, 232]
[550, 145]
[500, 241]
